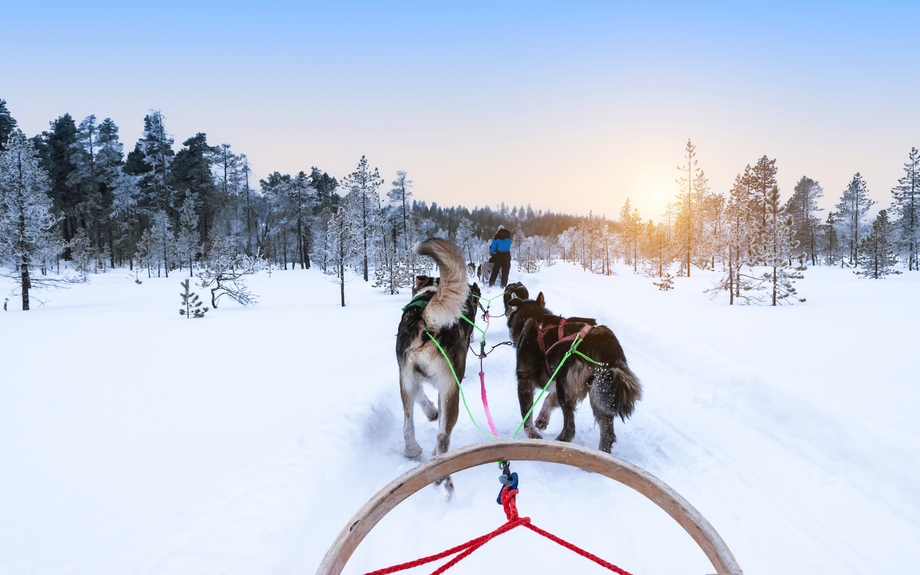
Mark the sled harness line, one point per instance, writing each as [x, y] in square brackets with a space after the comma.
[507, 499]
[482, 355]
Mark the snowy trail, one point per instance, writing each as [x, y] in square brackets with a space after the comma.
[245, 442]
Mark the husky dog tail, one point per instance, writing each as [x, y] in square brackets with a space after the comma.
[447, 303]
[628, 390]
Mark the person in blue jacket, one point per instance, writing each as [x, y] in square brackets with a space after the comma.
[501, 255]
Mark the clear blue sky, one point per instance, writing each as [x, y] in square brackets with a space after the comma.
[571, 106]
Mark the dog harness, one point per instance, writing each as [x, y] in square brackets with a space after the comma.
[543, 330]
[420, 301]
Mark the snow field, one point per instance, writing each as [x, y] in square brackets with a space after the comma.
[133, 440]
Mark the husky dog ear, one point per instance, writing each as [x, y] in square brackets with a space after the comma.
[541, 300]
[420, 282]
[515, 302]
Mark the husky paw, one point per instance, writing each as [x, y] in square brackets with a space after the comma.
[413, 451]
[533, 433]
[445, 487]
[542, 422]
[432, 415]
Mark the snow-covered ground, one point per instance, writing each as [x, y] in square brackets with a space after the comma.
[133, 440]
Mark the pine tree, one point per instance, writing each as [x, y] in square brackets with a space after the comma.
[774, 249]
[399, 196]
[685, 234]
[188, 241]
[741, 286]
[191, 307]
[55, 148]
[25, 213]
[877, 250]
[907, 207]
[830, 240]
[190, 171]
[341, 242]
[853, 206]
[7, 125]
[300, 202]
[156, 147]
[802, 206]
[762, 181]
[85, 174]
[362, 185]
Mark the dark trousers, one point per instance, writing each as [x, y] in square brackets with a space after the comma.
[500, 261]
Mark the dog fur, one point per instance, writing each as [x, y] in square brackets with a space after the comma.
[613, 388]
[419, 358]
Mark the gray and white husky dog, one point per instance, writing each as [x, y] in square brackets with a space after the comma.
[436, 307]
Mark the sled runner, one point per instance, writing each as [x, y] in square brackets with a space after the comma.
[532, 450]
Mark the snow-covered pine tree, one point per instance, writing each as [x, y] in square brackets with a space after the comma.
[907, 207]
[399, 196]
[126, 213]
[7, 125]
[109, 163]
[774, 249]
[877, 255]
[630, 226]
[659, 254]
[188, 242]
[387, 275]
[466, 237]
[82, 253]
[528, 260]
[85, 174]
[362, 185]
[741, 286]
[342, 241]
[829, 244]
[300, 200]
[156, 145]
[191, 306]
[25, 213]
[852, 209]
[762, 180]
[802, 206]
[162, 243]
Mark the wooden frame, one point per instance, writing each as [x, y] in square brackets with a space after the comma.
[529, 450]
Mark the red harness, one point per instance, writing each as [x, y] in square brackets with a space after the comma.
[542, 331]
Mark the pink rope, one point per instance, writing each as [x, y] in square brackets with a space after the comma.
[482, 383]
[485, 404]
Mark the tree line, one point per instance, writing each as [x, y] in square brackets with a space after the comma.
[72, 194]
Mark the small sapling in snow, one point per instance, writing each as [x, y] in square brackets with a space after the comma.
[667, 283]
[191, 307]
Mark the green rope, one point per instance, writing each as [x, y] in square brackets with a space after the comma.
[473, 323]
[488, 299]
[460, 387]
[573, 349]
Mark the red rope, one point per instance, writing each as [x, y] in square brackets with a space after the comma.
[464, 550]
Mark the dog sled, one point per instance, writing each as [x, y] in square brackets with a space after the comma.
[490, 452]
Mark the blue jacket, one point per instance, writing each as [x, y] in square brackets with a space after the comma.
[503, 245]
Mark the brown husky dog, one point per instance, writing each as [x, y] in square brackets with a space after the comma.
[436, 307]
[542, 339]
